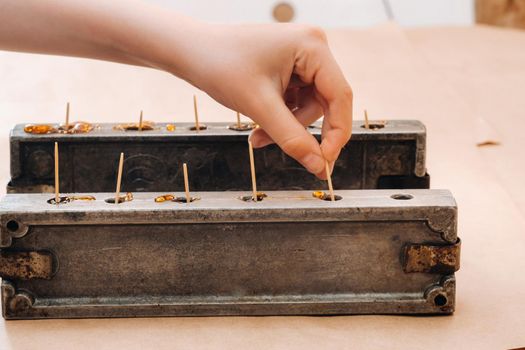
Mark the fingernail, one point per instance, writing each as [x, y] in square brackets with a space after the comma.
[313, 162]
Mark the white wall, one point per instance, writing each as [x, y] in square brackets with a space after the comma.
[433, 12]
[332, 13]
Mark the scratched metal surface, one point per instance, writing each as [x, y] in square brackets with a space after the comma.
[288, 254]
[391, 157]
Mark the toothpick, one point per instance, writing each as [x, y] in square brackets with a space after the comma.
[197, 126]
[67, 116]
[329, 179]
[367, 125]
[186, 185]
[140, 121]
[238, 120]
[119, 177]
[252, 169]
[57, 182]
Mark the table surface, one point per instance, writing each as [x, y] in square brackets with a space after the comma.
[466, 85]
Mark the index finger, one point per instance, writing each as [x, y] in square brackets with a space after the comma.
[331, 84]
[334, 94]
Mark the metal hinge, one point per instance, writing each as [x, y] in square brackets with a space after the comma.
[26, 265]
[442, 259]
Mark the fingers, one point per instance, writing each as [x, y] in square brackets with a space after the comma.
[320, 67]
[309, 112]
[337, 124]
[282, 127]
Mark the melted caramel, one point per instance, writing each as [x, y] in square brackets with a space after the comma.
[260, 197]
[172, 198]
[40, 129]
[61, 200]
[242, 127]
[80, 128]
[325, 196]
[72, 128]
[127, 198]
[82, 198]
[146, 125]
[164, 198]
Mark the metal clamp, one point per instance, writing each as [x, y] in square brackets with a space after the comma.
[26, 265]
[440, 259]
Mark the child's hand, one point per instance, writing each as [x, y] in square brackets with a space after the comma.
[284, 77]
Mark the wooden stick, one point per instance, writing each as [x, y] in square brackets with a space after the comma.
[57, 181]
[140, 121]
[238, 120]
[119, 177]
[197, 126]
[67, 116]
[186, 184]
[329, 179]
[367, 125]
[252, 169]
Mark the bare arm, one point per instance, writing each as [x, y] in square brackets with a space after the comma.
[283, 76]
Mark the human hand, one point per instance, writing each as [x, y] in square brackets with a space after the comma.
[284, 77]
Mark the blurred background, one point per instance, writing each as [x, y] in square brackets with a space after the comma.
[358, 13]
[456, 65]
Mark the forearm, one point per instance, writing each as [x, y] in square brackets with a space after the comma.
[120, 31]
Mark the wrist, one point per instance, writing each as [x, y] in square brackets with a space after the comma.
[163, 40]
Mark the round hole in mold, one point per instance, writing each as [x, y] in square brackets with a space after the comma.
[325, 196]
[146, 126]
[201, 127]
[242, 127]
[12, 226]
[184, 200]
[402, 196]
[440, 300]
[260, 197]
[329, 198]
[61, 200]
[373, 126]
[112, 200]
[121, 199]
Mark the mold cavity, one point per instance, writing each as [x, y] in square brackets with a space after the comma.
[127, 198]
[260, 197]
[146, 126]
[374, 126]
[112, 200]
[164, 198]
[402, 196]
[325, 196]
[82, 198]
[242, 127]
[201, 127]
[61, 200]
[64, 200]
[183, 199]
[39, 129]
[76, 128]
[12, 225]
[440, 300]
